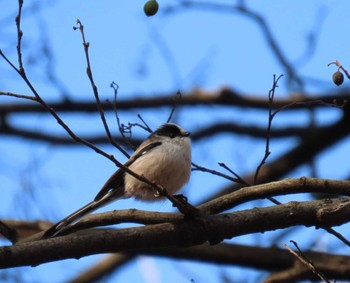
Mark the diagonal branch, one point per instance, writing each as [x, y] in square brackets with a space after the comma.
[311, 144]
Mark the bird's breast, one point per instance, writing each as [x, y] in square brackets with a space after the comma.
[169, 167]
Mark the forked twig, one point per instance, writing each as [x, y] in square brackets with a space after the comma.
[239, 178]
[203, 169]
[272, 115]
[269, 124]
[121, 126]
[86, 45]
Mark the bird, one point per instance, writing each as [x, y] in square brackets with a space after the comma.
[163, 158]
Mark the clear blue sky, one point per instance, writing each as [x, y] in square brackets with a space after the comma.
[156, 56]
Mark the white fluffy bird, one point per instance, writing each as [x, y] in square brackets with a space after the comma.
[164, 158]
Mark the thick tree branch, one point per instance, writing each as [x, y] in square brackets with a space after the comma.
[284, 187]
[205, 132]
[221, 204]
[220, 97]
[213, 229]
[102, 269]
[268, 258]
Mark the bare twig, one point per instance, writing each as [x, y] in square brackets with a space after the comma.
[86, 45]
[268, 131]
[126, 129]
[203, 169]
[175, 101]
[121, 127]
[123, 130]
[338, 235]
[306, 261]
[145, 125]
[19, 37]
[334, 103]
[272, 114]
[239, 178]
[22, 96]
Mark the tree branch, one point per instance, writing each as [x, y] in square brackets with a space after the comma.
[308, 147]
[262, 258]
[212, 229]
[220, 97]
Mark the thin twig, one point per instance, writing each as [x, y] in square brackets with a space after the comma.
[145, 125]
[177, 98]
[334, 103]
[338, 235]
[114, 104]
[19, 37]
[123, 130]
[272, 115]
[22, 96]
[306, 261]
[268, 131]
[203, 169]
[86, 45]
[240, 179]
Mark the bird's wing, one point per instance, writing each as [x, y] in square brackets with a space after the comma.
[111, 190]
[114, 186]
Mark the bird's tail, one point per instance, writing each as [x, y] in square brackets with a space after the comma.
[109, 195]
[60, 226]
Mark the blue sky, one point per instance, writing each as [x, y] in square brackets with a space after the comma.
[157, 56]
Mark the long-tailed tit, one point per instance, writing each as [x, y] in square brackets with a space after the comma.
[164, 158]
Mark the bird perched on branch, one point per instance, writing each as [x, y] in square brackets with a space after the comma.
[164, 159]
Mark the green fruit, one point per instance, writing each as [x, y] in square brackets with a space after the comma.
[338, 78]
[151, 8]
